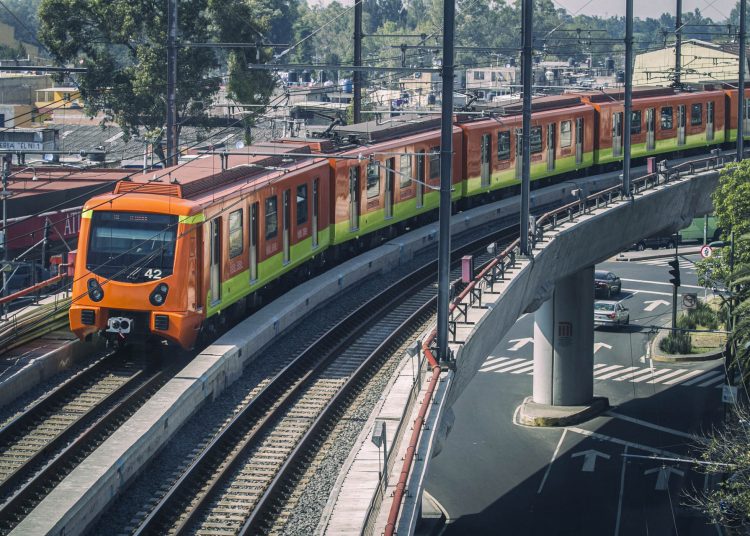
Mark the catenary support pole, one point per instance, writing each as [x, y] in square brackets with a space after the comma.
[446, 173]
[357, 76]
[628, 95]
[678, 45]
[6, 160]
[171, 83]
[527, 11]
[741, 91]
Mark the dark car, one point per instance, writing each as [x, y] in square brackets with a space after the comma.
[606, 283]
[654, 242]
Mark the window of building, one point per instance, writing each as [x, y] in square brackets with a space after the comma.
[405, 170]
[494, 76]
[301, 204]
[503, 145]
[666, 118]
[535, 139]
[635, 122]
[235, 233]
[696, 114]
[566, 134]
[373, 180]
[478, 75]
[435, 162]
[272, 217]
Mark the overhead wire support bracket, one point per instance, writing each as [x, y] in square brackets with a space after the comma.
[284, 66]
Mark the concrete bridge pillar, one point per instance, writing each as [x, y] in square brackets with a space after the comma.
[563, 390]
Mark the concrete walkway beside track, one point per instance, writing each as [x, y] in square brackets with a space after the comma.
[82, 496]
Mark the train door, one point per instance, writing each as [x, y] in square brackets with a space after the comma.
[617, 134]
[681, 124]
[215, 271]
[389, 174]
[420, 179]
[709, 121]
[285, 225]
[551, 146]
[486, 151]
[650, 127]
[519, 153]
[579, 140]
[316, 202]
[354, 198]
[253, 234]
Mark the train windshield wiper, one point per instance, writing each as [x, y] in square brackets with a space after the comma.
[143, 262]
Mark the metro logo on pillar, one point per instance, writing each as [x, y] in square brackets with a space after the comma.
[564, 329]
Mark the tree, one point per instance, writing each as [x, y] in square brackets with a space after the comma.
[126, 60]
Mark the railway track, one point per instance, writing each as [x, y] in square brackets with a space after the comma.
[42, 445]
[240, 480]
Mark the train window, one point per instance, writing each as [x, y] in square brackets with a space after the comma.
[566, 137]
[696, 114]
[535, 139]
[405, 170]
[373, 180]
[666, 118]
[272, 217]
[503, 145]
[635, 122]
[434, 162]
[235, 233]
[301, 204]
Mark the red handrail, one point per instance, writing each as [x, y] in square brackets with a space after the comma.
[33, 288]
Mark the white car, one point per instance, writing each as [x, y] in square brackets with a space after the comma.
[608, 313]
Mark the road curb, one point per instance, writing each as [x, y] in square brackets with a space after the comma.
[634, 256]
[542, 415]
[661, 357]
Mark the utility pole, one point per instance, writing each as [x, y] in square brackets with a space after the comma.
[357, 78]
[678, 45]
[171, 83]
[741, 87]
[628, 95]
[7, 159]
[446, 174]
[527, 11]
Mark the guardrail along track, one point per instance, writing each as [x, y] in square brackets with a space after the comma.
[243, 468]
[19, 328]
[38, 447]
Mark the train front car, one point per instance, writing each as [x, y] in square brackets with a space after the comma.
[136, 272]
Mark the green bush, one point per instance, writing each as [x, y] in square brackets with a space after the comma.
[704, 316]
[678, 342]
[686, 321]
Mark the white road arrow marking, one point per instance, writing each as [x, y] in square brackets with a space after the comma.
[665, 471]
[520, 343]
[651, 305]
[589, 460]
[599, 345]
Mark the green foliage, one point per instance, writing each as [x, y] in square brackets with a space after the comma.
[678, 342]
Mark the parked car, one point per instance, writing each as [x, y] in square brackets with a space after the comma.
[694, 231]
[606, 283]
[610, 313]
[655, 242]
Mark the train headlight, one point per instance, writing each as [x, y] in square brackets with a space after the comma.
[159, 295]
[96, 293]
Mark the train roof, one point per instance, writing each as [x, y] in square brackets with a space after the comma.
[394, 127]
[210, 172]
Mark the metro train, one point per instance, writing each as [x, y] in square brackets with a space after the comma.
[173, 256]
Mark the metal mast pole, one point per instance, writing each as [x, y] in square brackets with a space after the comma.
[628, 95]
[741, 87]
[6, 160]
[678, 45]
[357, 78]
[527, 10]
[446, 167]
[171, 82]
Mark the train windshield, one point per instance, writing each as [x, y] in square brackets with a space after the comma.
[131, 246]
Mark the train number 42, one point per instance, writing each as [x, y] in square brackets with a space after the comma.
[153, 273]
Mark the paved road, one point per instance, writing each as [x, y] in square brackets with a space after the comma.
[494, 477]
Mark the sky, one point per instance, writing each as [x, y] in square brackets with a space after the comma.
[715, 9]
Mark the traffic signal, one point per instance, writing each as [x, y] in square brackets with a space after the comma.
[674, 272]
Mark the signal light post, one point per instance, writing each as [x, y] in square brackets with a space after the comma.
[674, 272]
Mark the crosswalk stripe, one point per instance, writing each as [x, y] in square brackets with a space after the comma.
[657, 372]
[615, 373]
[606, 369]
[719, 379]
[599, 365]
[530, 368]
[670, 375]
[703, 377]
[492, 366]
[491, 360]
[513, 367]
[684, 377]
[633, 375]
